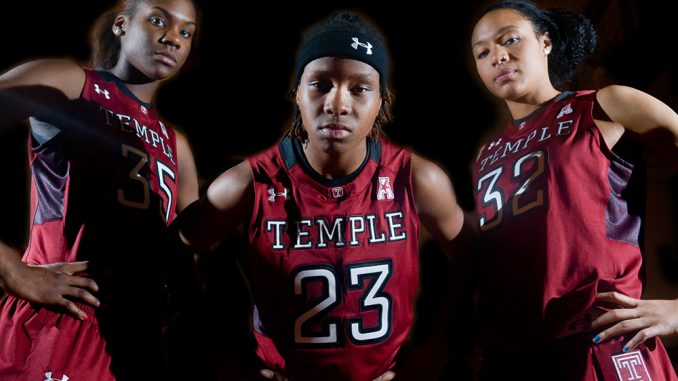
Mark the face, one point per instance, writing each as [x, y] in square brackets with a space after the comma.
[510, 58]
[339, 100]
[156, 39]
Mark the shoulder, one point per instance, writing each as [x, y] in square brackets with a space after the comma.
[426, 173]
[62, 74]
[232, 184]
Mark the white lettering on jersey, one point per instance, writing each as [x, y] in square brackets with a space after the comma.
[498, 150]
[320, 231]
[131, 125]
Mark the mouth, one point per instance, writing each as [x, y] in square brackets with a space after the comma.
[334, 130]
[166, 57]
[505, 76]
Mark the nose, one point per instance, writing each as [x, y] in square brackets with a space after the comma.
[171, 38]
[337, 102]
[499, 56]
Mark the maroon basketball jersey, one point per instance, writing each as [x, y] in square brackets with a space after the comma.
[104, 187]
[333, 263]
[560, 218]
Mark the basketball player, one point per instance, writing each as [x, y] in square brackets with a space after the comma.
[107, 178]
[332, 216]
[559, 197]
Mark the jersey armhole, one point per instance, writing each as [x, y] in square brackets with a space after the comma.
[622, 153]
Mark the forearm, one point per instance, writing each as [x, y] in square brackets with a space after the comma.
[10, 259]
[19, 103]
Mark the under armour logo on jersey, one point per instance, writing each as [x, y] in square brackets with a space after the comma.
[565, 110]
[164, 130]
[337, 192]
[272, 194]
[494, 144]
[48, 377]
[384, 192]
[631, 367]
[99, 91]
[143, 109]
[365, 45]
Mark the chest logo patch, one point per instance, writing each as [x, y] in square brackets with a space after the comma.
[384, 191]
[631, 367]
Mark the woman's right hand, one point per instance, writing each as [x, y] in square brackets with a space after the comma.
[53, 285]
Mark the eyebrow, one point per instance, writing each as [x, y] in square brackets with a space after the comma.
[500, 31]
[168, 14]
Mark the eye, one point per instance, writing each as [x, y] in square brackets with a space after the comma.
[186, 34]
[361, 89]
[157, 21]
[483, 54]
[511, 40]
[324, 87]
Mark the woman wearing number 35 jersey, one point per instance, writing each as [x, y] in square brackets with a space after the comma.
[332, 216]
[108, 176]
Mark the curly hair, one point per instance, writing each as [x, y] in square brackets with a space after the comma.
[573, 37]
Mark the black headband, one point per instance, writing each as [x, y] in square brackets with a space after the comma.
[344, 44]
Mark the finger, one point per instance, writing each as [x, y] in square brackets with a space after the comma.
[82, 295]
[619, 329]
[618, 298]
[388, 376]
[641, 337]
[267, 374]
[82, 282]
[74, 267]
[73, 309]
[614, 316]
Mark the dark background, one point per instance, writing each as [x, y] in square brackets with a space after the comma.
[244, 59]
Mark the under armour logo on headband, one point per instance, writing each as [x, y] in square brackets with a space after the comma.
[357, 43]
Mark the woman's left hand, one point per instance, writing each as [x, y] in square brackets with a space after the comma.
[649, 317]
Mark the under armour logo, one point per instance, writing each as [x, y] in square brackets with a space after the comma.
[337, 192]
[48, 377]
[565, 110]
[357, 43]
[385, 192]
[164, 130]
[631, 367]
[272, 194]
[99, 91]
[494, 144]
[143, 109]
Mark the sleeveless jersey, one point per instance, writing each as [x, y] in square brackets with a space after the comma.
[333, 264]
[105, 186]
[561, 219]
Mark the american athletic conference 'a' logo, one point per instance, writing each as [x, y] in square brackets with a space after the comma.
[48, 377]
[384, 190]
[366, 45]
[631, 367]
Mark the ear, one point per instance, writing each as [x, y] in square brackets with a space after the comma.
[119, 25]
[296, 96]
[546, 43]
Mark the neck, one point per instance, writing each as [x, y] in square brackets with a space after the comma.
[527, 104]
[333, 164]
[140, 85]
